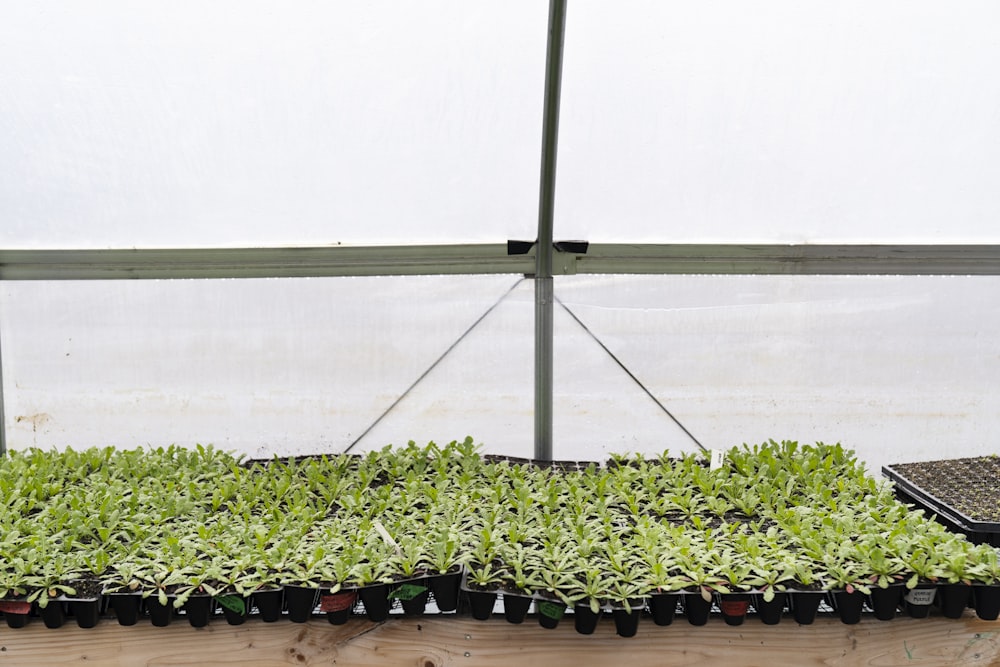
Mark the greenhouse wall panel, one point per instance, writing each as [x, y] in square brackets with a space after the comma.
[309, 308]
[265, 123]
[261, 366]
[642, 363]
[782, 121]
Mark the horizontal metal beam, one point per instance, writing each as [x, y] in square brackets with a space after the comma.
[287, 262]
[802, 259]
[598, 258]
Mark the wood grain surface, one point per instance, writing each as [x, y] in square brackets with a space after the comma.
[438, 641]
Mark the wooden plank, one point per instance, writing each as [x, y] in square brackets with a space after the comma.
[436, 642]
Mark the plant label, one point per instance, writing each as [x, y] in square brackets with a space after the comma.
[718, 456]
[337, 601]
[551, 610]
[384, 534]
[407, 592]
[920, 596]
[232, 603]
[11, 607]
[734, 607]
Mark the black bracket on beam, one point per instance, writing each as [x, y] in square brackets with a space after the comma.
[574, 247]
[524, 247]
[519, 247]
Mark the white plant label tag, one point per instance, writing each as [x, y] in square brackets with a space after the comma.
[716, 461]
[380, 529]
[920, 596]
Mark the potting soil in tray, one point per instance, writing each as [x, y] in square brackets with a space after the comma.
[963, 493]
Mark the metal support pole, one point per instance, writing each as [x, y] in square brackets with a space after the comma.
[3, 422]
[546, 207]
[543, 368]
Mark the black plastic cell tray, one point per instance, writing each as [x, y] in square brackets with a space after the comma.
[977, 531]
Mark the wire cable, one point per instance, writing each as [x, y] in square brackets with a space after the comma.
[433, 365]
[630, 374]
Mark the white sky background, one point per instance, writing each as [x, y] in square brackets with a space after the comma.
[270, 123]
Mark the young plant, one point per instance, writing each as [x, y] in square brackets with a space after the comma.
[484, 575]
[444, 554]
[701, 574]
[846, 575]
[590, 588]
[884, 568]
[624, 592]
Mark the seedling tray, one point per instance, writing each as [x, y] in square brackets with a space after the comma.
[963, 493]
[384, 523]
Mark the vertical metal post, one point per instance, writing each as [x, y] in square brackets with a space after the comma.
[546, 207]
[543, 368]
[3, 423]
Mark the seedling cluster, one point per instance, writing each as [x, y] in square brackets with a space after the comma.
[171, 523]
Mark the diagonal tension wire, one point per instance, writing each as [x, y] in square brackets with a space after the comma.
[630, 374]
[434, 365]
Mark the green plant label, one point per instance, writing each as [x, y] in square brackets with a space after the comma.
[10, 607]
[407, 592]
[337, 601]
[232, 603]
[552, 610]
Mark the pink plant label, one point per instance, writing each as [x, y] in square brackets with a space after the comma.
[734, 607]
[337, 601]
[9, 607]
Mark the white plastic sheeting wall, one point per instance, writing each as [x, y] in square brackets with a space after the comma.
[255, 123]
[259, 365]
[780, 121]
[260, 122]
[899, 368]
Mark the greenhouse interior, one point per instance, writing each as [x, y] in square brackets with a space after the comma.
[493, 326]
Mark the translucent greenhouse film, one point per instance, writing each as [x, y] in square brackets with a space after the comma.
[893, 367]
[269, 123]
[266, 124]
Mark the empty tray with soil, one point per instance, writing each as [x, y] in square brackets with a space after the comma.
[964, 493]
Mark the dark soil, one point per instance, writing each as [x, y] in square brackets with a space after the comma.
[970, 486]
[86, 589]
